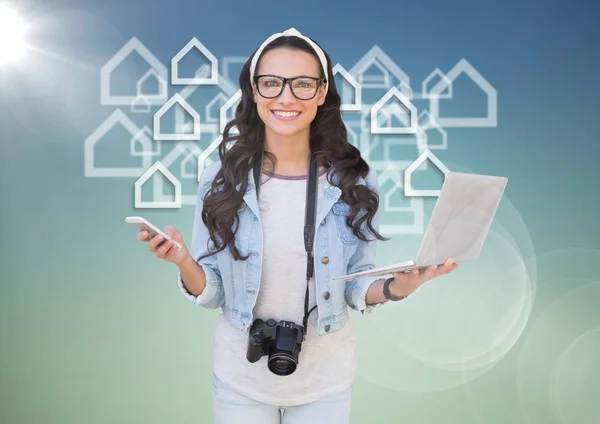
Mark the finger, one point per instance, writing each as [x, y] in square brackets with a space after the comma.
[174, 234]
[414, 276]
[430, 271]
[161, 252]
[143, 236]
[154, 243]
[400, 276]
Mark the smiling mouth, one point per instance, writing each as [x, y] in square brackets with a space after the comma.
[285, 114]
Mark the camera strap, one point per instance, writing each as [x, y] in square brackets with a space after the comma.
[309, 225]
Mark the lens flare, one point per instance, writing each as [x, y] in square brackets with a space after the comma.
[12, 31]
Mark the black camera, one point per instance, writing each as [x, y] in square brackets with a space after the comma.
[281, 340]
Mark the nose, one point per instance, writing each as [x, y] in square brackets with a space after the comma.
[286, 96]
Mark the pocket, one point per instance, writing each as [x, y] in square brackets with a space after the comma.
[341, 211]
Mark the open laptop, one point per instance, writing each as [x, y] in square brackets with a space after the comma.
[459, 225]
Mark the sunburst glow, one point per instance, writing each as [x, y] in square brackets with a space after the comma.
[12, 32]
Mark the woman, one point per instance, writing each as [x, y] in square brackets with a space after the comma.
[250, 257]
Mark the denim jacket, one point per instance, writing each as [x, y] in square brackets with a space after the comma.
[233, 285]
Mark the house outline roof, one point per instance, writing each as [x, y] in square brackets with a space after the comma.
[391, 110]
[364, 79]
[180, 149]
[409, 191]
[237, 96]
[176, 98]
[378, 57]
[157, 167]
[491, 120]
[214, 63]
[162, 84]
[349, 107]
[135, 105]
[113, 63]
[117, 117]
[393, 92]
[425, 94]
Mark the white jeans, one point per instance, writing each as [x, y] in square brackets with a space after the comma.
[230, 407]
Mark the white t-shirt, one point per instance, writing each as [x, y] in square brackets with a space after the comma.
[327, 364]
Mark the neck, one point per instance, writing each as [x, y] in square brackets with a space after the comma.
[292, 152]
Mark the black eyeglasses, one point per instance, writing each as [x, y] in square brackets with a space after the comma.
[303, 88]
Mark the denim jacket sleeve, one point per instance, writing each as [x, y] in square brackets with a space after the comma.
[363, 259]
[213, 295]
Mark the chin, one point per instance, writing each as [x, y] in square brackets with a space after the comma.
[282, 129]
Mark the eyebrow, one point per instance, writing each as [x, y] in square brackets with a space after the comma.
[298, 76]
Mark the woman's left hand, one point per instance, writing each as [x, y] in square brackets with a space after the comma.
[406, 283]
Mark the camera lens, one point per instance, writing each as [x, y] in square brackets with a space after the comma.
[282, 364]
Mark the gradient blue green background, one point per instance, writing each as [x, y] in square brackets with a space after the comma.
[93, 329]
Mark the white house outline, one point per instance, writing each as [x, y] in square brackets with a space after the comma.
[393, 92]
[417, 227]
[391, 110]
[376, 56]
[158, 135]
[105, 74]
[349, 107]
[443, 77]
[182, 148]
[174, 204]
[209, 127]
[408, 189]
[237, 96]
[145, 130]
[491, 120]
[431, 124]
[117, 117]
[162, 86]
[140, 105]
[373, 81]
[214, 63]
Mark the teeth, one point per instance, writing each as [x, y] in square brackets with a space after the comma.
[286, 114]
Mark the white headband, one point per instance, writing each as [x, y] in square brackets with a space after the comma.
[288, 32]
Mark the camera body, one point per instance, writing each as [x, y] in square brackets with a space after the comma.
[281, 341]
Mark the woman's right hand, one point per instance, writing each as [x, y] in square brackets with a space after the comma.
[167, 251]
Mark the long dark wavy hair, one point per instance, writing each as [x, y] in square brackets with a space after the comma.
[328, 141]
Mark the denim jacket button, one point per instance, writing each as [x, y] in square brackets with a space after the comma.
[326, 295]
[323, 222]
[325, 260]
[327, 328]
